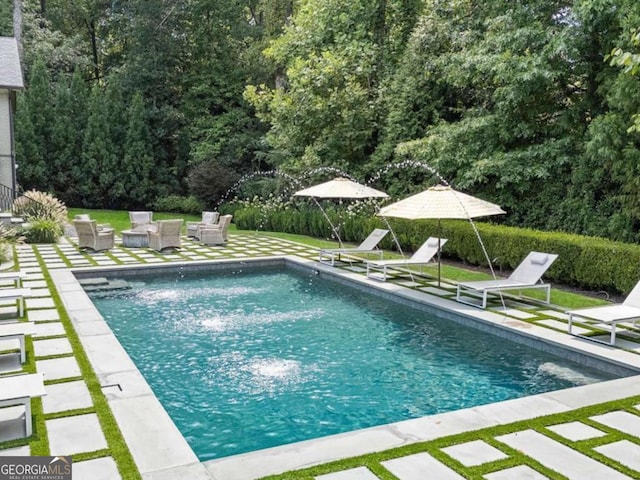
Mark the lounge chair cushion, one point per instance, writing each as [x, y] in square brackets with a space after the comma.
[539, 258]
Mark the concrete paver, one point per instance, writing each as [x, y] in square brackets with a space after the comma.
[58, 368]
[521, 472]
[576, 431]
[61, 397]
[23, 451]
[414, 467]
[43, 315]
[104, 468]
[34, 303]
[474, 453]
[624, 452]
[48, 329]
[512, 312]
[360, 473]
[624, 421]
[191, 472]
[153, 439]
[50, 347]
[76, 434]
[560, 458]
[40, 292]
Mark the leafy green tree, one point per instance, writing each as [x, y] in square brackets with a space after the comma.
[499, 99]
[630, 63]
[604, 198]
[222, 123]
[327, 111]
[6, 16]
[60, 53]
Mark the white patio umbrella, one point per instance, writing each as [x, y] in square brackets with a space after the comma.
[339, 188]
[440, 202]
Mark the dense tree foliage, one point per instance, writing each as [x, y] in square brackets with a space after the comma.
[534, 105]
[6, 18]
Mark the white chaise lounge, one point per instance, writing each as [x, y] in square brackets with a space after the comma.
[18, 294]
[369, 245]
[15, 276]
[526, 275]
[17, 331]
[19, 390]
[608, 316]
[378, 269]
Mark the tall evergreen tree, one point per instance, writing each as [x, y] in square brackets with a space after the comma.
[99, 186]
[34, 142]
[30, 172]
[138, 157]
[67, 138]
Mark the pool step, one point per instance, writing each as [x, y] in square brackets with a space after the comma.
[93, 281]
[103, 284]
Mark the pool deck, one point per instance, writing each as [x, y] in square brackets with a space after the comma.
[159, 450]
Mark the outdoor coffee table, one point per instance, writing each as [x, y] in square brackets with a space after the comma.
[134, 238]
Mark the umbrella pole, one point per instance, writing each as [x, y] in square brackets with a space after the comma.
[333, 228]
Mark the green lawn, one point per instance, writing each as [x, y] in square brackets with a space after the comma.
[119, 219]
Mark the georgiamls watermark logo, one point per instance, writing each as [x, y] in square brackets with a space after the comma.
[35, 468]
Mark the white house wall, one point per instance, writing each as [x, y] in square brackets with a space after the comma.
[6, 177]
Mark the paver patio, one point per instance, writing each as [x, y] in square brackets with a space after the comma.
[80, 431]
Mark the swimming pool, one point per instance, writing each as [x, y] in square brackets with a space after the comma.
[259, 358]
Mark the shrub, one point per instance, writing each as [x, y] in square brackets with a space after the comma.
[5, 251]
[45, 214]
[34, 205]
[211, 181]
[587, 262]
[8, 237]
[43, 231]
[178, 204]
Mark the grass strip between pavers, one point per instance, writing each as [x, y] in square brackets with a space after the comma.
[117, 448]
[119, 451]
[488, 435]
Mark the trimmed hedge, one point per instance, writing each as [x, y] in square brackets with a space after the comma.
[586, 262]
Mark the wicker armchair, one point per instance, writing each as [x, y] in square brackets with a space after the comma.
[208, 218]
[85, 216]
[166, 235]
[90, 237]
[141, 221]
[215, 234]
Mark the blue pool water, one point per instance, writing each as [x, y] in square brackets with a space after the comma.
[244, 361]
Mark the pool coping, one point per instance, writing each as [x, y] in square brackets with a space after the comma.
[159, 449]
